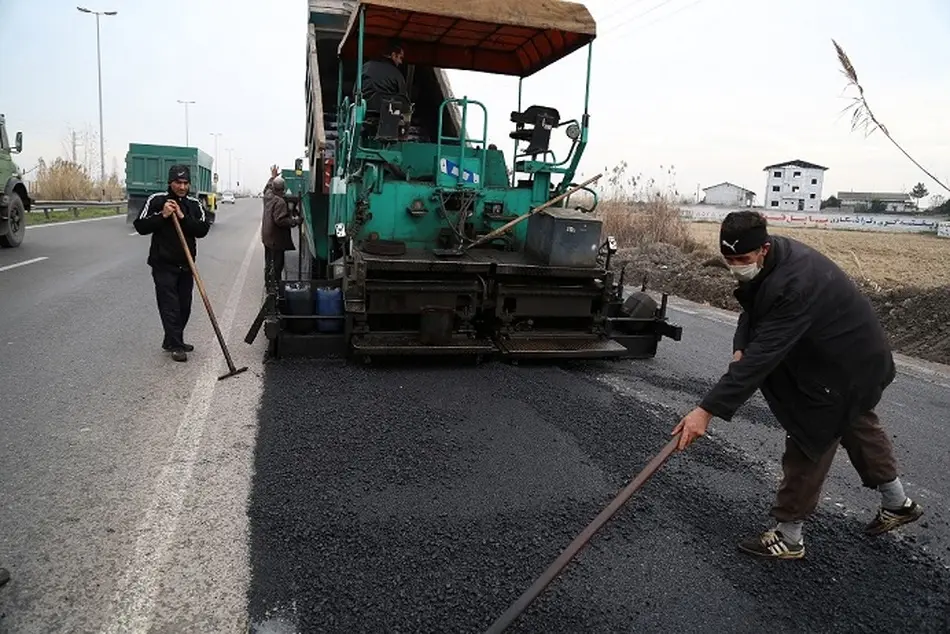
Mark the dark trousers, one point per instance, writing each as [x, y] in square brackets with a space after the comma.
[173, 290]
[273, 267]
[869, 450]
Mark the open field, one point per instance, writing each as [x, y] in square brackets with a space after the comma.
[892, 260]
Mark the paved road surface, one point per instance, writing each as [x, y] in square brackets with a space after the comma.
[139, 494]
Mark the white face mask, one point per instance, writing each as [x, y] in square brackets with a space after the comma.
[744, 272]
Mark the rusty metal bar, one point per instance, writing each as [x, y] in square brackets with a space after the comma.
[529, 595]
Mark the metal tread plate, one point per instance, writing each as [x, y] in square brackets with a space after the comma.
[397, 343]
[566, 347]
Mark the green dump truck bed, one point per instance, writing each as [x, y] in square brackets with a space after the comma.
[146, 172]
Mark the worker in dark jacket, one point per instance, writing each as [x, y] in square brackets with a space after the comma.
[383, 76]
[275, 230]
[810, 340]
[174, 284]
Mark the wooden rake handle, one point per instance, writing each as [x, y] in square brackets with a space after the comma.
[529, 595]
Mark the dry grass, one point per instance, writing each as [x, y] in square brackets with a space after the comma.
[637, 224]
[890, 260]
[66, 180]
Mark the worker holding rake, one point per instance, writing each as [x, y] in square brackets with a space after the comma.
[174, 284]
[810, 340]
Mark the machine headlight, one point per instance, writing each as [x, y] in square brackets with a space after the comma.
[573, 132]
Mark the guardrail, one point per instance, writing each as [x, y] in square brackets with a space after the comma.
[47, 206]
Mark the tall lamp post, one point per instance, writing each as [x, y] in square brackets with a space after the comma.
[217, 167]
[102, 154]
[186, 119]
[229, 150]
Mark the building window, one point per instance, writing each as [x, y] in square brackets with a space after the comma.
[812, 196]
[797, 174]
[795, 188]
[775, 203]
[814, 181]
[777, 174]
[776, 188]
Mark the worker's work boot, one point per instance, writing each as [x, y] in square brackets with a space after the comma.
[4, 576]
[772, 544]
[178, 354]
[887, 520]
[187, 347]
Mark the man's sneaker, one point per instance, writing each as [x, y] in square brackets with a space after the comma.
[887, 520]
[4, 576]
[772, 544]
[187, 348]
[179, 355]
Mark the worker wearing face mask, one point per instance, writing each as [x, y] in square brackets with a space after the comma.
[809, 339]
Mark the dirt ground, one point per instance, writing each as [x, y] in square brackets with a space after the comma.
[889, 259]
[906, 277]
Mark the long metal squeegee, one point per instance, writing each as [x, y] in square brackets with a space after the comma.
[529, 595]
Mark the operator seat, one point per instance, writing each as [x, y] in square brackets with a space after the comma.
[390, 115]
[542, 119]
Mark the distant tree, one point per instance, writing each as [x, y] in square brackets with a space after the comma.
[918, 192]
[878, 207]
[937, 201]
[831, 201]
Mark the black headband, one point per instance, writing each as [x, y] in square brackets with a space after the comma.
[742, 242]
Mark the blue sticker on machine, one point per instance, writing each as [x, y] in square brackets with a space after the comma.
[452, 169]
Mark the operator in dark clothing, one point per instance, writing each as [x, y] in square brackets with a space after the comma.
[383, 76]
[275, 229]
[174, 283]
[810, 340]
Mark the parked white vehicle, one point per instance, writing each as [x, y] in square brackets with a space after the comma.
[227, 197]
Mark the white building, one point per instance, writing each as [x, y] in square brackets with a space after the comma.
[728, 194]
[893, 202]
[794, 186]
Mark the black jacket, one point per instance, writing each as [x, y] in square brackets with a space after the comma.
[166, 245]
[382, 76]
[811, 342]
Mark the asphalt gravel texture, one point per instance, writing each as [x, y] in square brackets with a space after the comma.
[429, 498]
[137, 494]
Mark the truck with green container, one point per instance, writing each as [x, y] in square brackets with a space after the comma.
[146, 172]
[421, 238]
[14, 198]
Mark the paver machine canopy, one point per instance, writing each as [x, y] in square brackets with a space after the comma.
[410, 231]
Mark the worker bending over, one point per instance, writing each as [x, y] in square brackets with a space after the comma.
[810, 340]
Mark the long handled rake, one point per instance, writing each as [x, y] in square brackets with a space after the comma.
[204, 296]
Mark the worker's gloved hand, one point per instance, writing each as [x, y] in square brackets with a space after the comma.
[692, 426]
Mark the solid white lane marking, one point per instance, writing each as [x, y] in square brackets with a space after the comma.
[134, 233]
[23, 263]
[136, 591]
[72, 222]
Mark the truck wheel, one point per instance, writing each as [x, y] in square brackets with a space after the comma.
[16, 225]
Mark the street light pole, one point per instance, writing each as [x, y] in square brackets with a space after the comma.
[217, 167]
[186, 119]
[229, 150]
[102, 152]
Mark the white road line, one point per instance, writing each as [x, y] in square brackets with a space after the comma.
[134, 233]
[72, 222]
[134, 599]
[23, 263]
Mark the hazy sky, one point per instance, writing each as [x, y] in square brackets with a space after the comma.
[717, 88]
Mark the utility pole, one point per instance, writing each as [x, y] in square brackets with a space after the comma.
[217, 167]
[186, 119]
[102, 153]
[239, 173]
[229, 150]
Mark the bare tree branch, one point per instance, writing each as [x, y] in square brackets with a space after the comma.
[863, 116]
